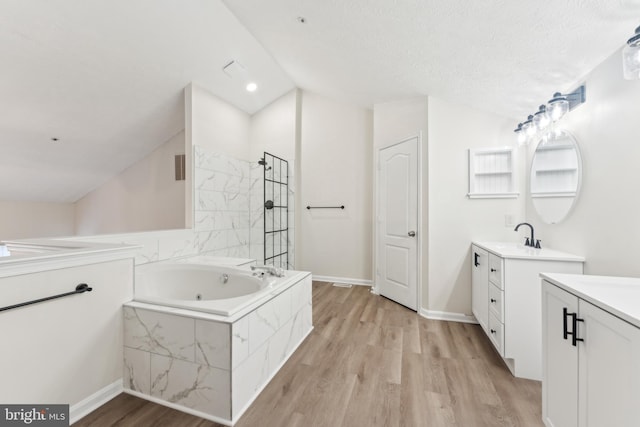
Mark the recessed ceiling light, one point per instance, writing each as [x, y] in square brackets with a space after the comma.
[252, 87]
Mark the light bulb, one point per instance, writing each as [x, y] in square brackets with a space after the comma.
[528, 127]
[558, 106]
[252, 87]
[541, 119]
[522, 139]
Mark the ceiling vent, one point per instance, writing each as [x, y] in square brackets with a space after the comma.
[234, 69]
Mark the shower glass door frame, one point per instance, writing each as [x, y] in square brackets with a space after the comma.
[276, 211]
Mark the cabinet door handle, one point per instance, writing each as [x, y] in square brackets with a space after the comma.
[575, 338]
[574, 326]
[493, 270]
[493, 331]
[494, 300]
[475, 259]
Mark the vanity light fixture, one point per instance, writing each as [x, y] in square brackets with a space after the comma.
[558, 106]
[631, 57]
[555, 109]
[561, 104]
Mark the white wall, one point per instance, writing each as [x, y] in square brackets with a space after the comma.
[64, 350]
[273, 129]
[217, 125]
[336, 169]
[144, 197]
[604, 225]
[454, 219]
[22, 220]
[394, 122]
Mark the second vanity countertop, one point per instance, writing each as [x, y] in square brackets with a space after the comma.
[519, 251]
[619, 296]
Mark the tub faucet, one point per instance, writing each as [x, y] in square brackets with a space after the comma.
[272, 270]
[532, 242]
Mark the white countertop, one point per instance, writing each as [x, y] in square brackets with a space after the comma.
[619, 296]
[519, 251]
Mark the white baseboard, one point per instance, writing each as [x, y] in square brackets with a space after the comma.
[94, 401]
[350, 281]
[445, 315]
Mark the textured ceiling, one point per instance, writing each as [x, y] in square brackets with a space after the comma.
[502, 56]
[106, 77]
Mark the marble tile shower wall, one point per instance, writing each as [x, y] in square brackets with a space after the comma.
[221, 201]
[228, 215]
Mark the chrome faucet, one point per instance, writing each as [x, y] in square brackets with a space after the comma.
[271, 269]
[532, 242]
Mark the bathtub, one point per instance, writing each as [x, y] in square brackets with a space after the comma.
[206, 288]
[207, 339]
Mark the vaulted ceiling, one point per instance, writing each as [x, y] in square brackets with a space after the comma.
[105, 77]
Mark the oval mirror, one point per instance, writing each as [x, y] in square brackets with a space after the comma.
[555, 176]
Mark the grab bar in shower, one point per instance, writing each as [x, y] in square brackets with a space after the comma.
[81, 288]
[325, 207]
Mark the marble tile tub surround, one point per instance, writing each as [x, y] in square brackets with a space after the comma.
[228, 215]
[211, 367]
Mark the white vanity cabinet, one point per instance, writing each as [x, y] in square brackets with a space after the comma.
[591, 351]
[480, 288]
[505, 286]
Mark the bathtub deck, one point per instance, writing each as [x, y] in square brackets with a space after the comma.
[371, 362]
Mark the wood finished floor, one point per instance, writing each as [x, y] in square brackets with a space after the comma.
[370, 362]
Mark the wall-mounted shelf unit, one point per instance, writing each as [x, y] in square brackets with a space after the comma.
[491, 174]
[554, 171]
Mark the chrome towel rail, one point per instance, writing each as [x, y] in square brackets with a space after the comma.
[81, 288]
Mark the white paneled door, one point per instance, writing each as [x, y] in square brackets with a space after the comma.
[397, 223]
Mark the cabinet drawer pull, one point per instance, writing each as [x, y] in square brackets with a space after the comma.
[493, 331]
[493, 270]
[494, 300]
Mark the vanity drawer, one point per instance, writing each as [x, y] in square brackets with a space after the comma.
[496, 333]
[496, 268]
[496, 302]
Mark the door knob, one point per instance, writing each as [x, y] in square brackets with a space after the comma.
[412, 234]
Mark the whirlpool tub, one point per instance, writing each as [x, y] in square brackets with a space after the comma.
[207, 339]
[212, 289]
